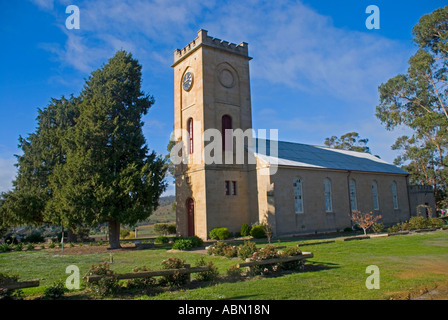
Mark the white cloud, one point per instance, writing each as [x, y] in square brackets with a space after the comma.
[296, 46]
[44, 4]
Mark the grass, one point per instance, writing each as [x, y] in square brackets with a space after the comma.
[408, 265]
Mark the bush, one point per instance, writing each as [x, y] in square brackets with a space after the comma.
[165, 228]
[258, 232]
[234, 273]
[211, 274]
[245, 230]
[221, 248]
[19, 246]
[8, 294]
[183, 244]
[161, 239]
[417, 223]
[141, 283]
[55, 291]
[175, 279]
[378, 227]
[436, 223]
[30, 247]
[107, 285]
[246, 250]
[219, 234]
[187, 243]
[124, 233]
[292, 265]
[5, 247]
[34, 237]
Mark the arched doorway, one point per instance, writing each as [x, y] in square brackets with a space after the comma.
[190, 217]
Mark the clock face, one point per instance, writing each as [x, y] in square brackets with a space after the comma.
[187, 81]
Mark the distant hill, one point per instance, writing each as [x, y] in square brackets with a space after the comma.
[164, 212]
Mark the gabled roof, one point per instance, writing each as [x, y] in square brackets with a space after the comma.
[309, 156]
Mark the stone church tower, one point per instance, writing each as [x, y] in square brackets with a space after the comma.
[212, 91]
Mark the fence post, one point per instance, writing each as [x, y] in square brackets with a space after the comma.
[187, 266]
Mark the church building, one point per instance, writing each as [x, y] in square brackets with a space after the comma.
[299, 188]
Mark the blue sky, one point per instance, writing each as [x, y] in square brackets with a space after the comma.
[315, 71]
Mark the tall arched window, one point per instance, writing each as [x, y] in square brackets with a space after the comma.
[328, 196]
[298, 197]
[394, 195]
[353, 202]
[190, 135]
[376, 205]
[226, 135]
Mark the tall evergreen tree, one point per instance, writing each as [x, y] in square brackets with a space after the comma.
[42, 152]
[109, 175]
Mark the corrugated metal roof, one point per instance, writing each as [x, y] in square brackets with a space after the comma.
[309, 156]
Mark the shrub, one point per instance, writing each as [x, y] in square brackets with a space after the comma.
[141, 283]
[124, 233]
[291, 265]
[417, 223]
[8, 294]
[348, 229]
[187, 243]
[5, 247]
[436, 223]
[221, 248]
[55, 291]
[165, 228]
[107, 285]
[19, 246]
[30, 247]
[51, 245]
[183, 244]
[245, 230]
[246, 250]
[219, 234]
[211, 274]
[268, 252]
[34, 237]
[175, 279]
[161, 239]
[234, 273]
[378, 227]
[258, 232]
[394, 229]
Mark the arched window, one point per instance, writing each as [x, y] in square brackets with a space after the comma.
[226, 135]
[190, 135]
[327, 194]
[353, 202]
[376, 205]
[298, 197]
[394, 195]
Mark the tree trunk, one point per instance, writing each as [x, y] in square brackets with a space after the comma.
[71, 237]
[114, 234]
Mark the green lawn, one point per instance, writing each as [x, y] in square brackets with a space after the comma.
[407, 264]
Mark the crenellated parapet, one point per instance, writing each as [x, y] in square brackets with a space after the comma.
[204, 39]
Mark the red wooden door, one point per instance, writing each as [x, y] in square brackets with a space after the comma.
[190, 214]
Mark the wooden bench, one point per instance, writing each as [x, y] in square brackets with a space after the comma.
[147, 274]
[250, 264]
[13, 285]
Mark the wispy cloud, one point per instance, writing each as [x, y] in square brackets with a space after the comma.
[300, 48]
[293, 44]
